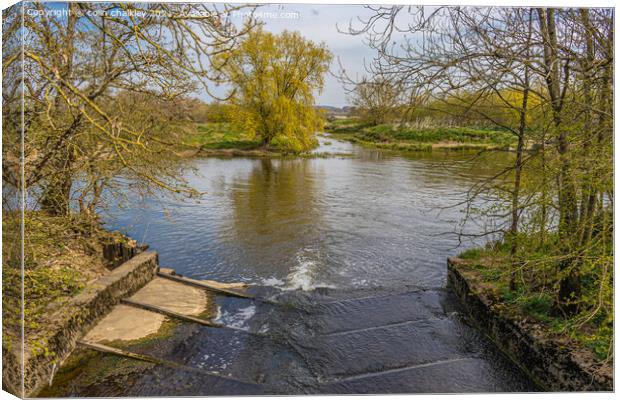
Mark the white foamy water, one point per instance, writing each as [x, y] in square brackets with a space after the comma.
[273, 282]
[303, 276]
[236, 319]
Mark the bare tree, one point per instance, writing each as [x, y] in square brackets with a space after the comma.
[376, 100]
[80, 64]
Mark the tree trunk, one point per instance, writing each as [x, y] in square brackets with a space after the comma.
[588, 202]
[514, 226]
[567, 196]
[57, 190]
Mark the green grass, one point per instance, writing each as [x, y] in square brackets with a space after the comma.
[225, 136]
[409, 139]
[224, 139]
[491, 266]
[221, 135]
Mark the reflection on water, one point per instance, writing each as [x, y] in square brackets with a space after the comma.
[373, 219]
[352, 253]
[276, 218]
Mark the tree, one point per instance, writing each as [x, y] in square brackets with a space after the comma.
[376, 100]
[274, 79]
[84, 68]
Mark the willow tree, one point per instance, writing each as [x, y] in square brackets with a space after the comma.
[273, 81]
[84, 73]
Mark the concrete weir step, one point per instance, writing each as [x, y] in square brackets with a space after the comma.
[384, 348]
[457, 375]
[143, 312]
[375, 311]
[372, 328]
[396, 370]
[170, 364]
[200, 284]
[170, 313]
[183, 317]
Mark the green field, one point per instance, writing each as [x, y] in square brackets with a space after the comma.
[403, 138]
[221, 135]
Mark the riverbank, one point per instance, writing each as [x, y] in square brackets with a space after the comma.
[555, 359]
[68, 261]
[390, 137]
[223, 139]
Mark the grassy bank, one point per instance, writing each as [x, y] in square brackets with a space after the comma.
[62, 255]
[533, 299]
[223, 139]
[425, 139]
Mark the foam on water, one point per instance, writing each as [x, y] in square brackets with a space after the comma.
[273, 282]
[303, 276]
[237, 319]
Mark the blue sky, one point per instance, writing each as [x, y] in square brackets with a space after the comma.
[320, 23]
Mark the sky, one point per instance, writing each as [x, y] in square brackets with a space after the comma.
[320, 23]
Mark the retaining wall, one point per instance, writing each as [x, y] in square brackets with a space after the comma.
[553, 362]
[71, 320]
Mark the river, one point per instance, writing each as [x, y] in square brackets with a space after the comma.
[351, 253]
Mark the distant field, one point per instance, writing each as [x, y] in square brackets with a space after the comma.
[391, 137]
[221, 135]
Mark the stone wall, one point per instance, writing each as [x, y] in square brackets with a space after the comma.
[553, 362]
[71, 320]
[117, 252]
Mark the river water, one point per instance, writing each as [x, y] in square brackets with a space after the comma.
[350, 252]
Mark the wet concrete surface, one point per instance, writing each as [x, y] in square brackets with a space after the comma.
[326, 341]
[127, 323]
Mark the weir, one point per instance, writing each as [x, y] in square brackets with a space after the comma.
[321, 341]
[173, 303]
[141, 357]
[170, 313]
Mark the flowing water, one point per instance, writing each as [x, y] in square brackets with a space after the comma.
[351, 254]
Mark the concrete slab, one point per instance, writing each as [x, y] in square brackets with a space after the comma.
[125, 323]
[225, 285]
[173, 296]
[129, 323]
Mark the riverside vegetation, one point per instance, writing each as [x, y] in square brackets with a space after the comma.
[394, 137]
[62, 254]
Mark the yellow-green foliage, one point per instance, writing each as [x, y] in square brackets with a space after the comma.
[274, 78]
